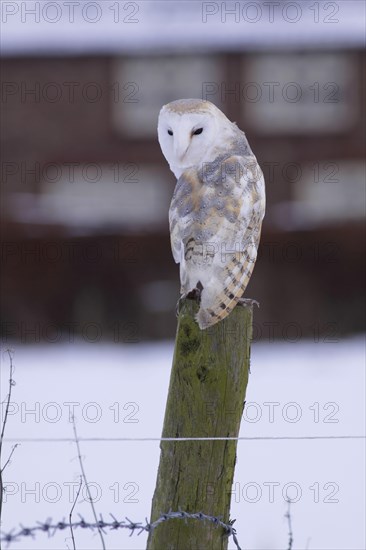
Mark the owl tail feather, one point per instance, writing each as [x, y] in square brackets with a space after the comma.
[208, 317]
[214, 308]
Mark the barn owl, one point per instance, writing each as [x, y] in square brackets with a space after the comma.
[217, 207]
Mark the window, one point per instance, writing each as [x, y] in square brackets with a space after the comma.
[300, 93]
[144, 85]
[93, 196]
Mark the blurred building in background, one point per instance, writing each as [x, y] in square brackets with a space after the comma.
[86, 190]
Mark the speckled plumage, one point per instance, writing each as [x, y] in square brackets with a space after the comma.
[217, 207]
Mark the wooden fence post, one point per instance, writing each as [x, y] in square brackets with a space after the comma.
[206, 399]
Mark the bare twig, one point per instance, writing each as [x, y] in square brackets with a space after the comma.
[289, 522]
[71, 511]
[98, 523]
[8, 397]
[9, 458]
[7, 401]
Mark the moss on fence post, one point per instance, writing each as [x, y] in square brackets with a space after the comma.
[206, 399]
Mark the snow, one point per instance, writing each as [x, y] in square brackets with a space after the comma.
[151, 26]
[120, 391]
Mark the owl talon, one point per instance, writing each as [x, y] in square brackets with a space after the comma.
[194, 294]
[247, 302]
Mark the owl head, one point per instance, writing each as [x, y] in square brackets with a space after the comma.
[188, 131]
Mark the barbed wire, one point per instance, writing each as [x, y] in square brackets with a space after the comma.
[116, 439]
[51, 528]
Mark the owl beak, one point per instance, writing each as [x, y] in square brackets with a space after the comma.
[181, 148]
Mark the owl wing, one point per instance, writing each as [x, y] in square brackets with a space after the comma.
[215, 223]
[176, 240]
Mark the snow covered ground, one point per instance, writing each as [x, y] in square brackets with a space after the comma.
[299, 389]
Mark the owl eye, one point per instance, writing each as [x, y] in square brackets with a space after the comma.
[198, 132]
[170, 132]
